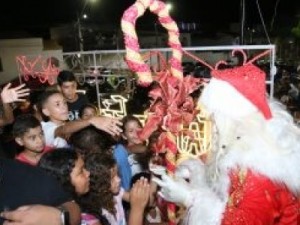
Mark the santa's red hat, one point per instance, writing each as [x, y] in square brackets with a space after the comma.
[237, 91]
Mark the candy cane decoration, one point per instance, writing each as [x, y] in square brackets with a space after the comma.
[171, 155]
[133, 58]
[136, 63]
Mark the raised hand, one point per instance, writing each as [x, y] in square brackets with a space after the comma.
[9, 95]
[139, 197]
[107, 124]
[140, 193]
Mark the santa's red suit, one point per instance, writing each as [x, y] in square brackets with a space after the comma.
[255, 199]
[277, 205]
[252, 176]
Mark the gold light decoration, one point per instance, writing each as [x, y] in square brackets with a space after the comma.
[115, 106]
[200, 128]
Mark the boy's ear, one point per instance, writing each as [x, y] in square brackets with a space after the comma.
[58, 88]
[19, 141]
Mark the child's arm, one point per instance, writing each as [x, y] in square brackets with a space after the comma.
[8, 116]
[126, 196]
[137, 148]
[139, 197]
[107, 124]
[41, 214]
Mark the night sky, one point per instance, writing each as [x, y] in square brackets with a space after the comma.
[34, 14]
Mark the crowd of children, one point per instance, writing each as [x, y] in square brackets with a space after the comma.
[99, 160]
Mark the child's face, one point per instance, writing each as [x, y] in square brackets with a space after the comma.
[115, 180]
[68, 90]
[33, 140]
[80, 177]
[56, 108]
[88, 113]
[131, 132]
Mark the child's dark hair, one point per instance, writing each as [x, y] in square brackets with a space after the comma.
[23, 123]
[138, 176]
[90, 139]
[65, 76]
[129, 118]
[60, 163]
[100, 196]
[88, 105]
[42, 100]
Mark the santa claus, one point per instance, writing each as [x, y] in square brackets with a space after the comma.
[252, 175]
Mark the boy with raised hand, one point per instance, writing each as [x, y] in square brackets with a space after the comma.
[53, 105]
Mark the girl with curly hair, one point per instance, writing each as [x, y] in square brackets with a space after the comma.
[69, 169]
[106, 191]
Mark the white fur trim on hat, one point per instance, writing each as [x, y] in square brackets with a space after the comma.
[220, 97]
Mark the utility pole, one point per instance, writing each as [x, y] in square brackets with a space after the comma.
[80, 15]
[80, 39]
[242, 20]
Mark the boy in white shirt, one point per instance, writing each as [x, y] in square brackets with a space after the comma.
[53, 105]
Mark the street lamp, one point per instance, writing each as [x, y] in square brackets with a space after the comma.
[169, 6]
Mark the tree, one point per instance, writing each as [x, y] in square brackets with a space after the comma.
[296, 31]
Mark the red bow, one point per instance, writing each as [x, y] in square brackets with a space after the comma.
[171, 107]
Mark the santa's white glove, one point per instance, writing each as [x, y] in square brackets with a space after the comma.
[174, 190]
[192, 170]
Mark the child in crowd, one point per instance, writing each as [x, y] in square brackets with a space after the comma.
[67, 84]
[69, 169]
[136, 148]
[103, 166]
[8, 97]
[155, 156]
[90, 139]
[53, 105]
[28, 133]
[126, 151]
[87, 111]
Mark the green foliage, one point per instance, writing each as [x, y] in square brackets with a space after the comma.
[296, 31]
